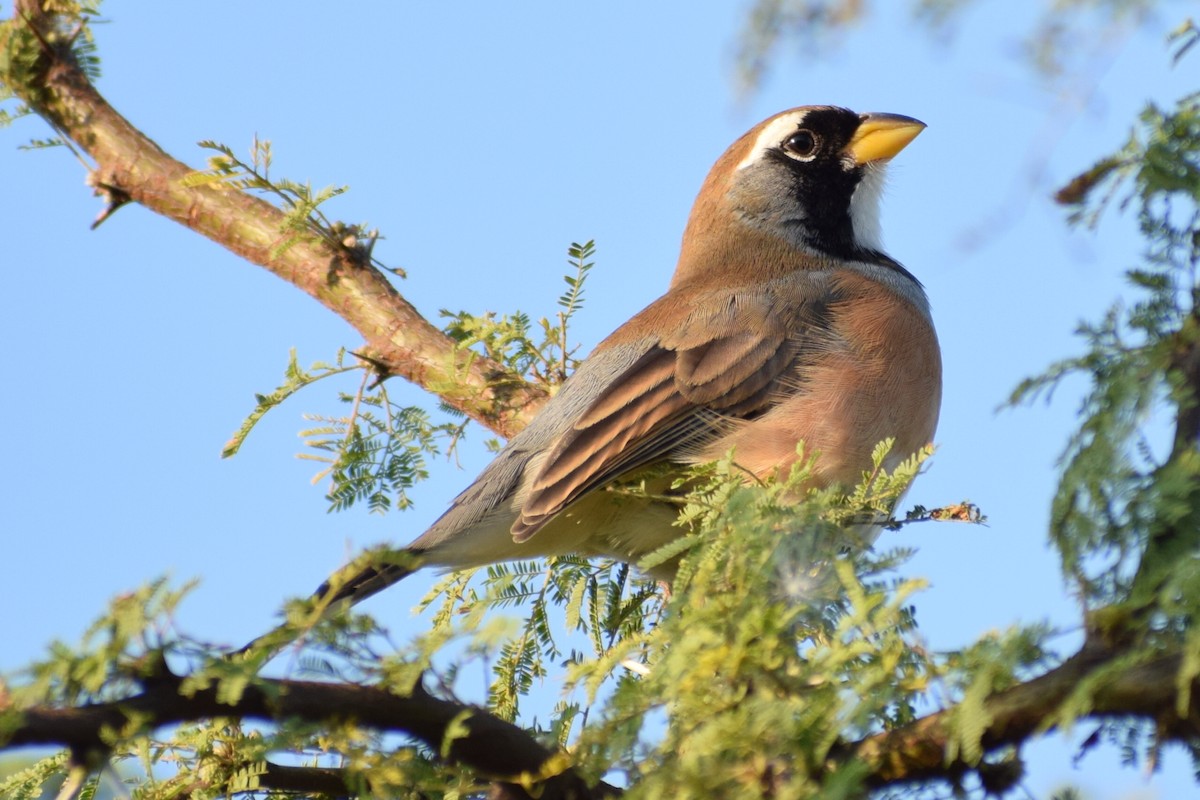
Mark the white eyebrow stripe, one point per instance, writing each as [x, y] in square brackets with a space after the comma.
[770, 136]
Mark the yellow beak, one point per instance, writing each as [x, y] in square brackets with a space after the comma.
[881, 136]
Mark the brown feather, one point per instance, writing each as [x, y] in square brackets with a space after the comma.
[731, 362]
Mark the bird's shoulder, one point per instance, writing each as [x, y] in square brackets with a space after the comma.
[711, 306]
[501, 478]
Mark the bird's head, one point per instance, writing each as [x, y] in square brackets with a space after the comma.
[809, 179]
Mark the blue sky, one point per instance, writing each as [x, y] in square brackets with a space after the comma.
[483, 139]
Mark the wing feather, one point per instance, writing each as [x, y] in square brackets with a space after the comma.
[669, 402]
[731, 359]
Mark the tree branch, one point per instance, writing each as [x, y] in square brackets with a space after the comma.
[1150, 691]
[463, 734]
[307, 780]
[513, 759]
[131, 167]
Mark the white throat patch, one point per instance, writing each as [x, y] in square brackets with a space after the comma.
[864, 207]
[864, 204]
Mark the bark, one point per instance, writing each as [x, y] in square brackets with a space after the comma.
[129, 167]
[399, 341]
[513, 759]
[497, 750]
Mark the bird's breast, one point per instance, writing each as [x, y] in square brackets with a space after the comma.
[876, 375]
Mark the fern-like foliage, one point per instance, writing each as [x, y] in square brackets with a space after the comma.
[377, 452]
[540, 353]
[780, 638]
[1118, 483]
[21, 55]
[300, 202]
[30, 783]
[1126, 514]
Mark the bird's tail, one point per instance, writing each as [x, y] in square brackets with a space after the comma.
[368, 576]
[349, 586]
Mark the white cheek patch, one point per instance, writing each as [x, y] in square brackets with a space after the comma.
[771, 135]
[864, 207]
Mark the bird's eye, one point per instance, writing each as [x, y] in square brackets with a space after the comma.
[801, 144]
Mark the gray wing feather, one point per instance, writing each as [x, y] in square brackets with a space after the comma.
[503, 478]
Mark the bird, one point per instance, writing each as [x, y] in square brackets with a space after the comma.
[784, 322]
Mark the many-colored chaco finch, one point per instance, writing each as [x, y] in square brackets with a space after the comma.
[785, 322]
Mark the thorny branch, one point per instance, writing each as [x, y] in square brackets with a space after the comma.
[398, 340]
[512, 758]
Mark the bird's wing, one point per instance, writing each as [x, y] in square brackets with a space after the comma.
[730, 359]
[503, 478]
